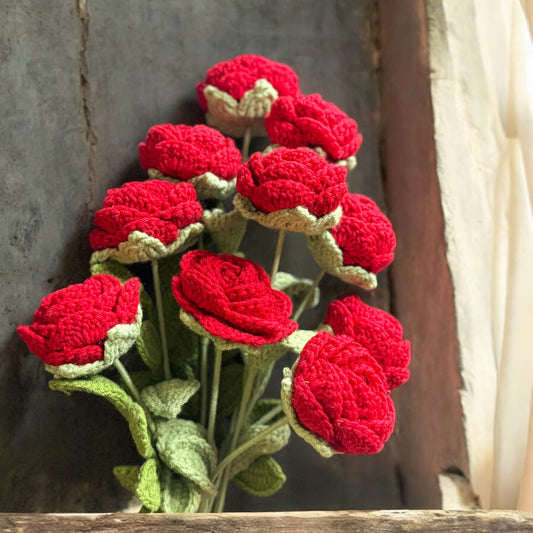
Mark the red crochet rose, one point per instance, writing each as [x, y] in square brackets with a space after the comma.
[71, 325]
[232, 298]
[289, 178]
[340, 393]
[156, 208]
[364, 234]
[184, 152]
[239, 75]
[311, 121]
[377, 331]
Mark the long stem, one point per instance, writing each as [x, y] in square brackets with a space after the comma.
[133, 389]
[161, 318]
[277, 254]
[310, 292]
[267, 417]
[246, 144]
[214, 398]
[249, 381]
[248, 444]
[204, 343]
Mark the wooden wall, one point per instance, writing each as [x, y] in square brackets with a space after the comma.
[82, 81]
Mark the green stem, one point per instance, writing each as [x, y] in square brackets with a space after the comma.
[249, 381]
[161, 318]
[246, 144]
[214, 398]
[248, 444]
[310, 292]
[267, 417]
[204, 342]
[277, 254]
[134, 392]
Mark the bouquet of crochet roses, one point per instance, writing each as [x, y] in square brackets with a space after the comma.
[185, 349]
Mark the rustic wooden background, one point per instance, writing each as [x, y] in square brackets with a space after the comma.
[81, 83]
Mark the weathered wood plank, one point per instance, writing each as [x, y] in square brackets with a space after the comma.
[296, 522]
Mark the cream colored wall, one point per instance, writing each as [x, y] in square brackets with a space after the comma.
[479, 53]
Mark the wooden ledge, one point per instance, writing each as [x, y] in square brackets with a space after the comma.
[294, 522]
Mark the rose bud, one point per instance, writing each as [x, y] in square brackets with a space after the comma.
[310, 121]
[142, 221]
[377, 331]
[198, 154]
[82, 329]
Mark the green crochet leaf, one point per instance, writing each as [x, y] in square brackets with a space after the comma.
[263, 477]
[148, 487]
[149, 347]
[230, 388]
[143, 482]
[166, 399]
[127, 476]
[114, 268]
[141, 379]
[272, 443]
[183, 447]
[178, 494]
[113, 393]
[226, 229]
[296, 289]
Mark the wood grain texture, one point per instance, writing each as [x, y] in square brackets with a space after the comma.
[430, 434]
[296, 522]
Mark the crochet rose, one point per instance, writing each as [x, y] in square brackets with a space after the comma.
[338, 393]
[231, 298]
[310, 121]
[82, 329]
[359, 246]
[198, 154]
[238, 94]
[292, 189]
[141, 221]
[377, 331]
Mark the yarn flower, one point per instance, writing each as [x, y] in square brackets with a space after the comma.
[198, 154]
[143, 221]
[377, 331]
[292, 189]
[337, 397]
[230, 300]
[359, 246]
[237, 94]
[308, 120]
[82, 329]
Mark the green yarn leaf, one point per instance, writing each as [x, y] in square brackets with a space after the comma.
[143, 482]
[130, 410]
[149, 347]
[183, 447]
[148, 488]
[127, 476]
[166, 399]
[183, 344]
[178, 494]
[230, 388]
[263, 477]
[272, 443]
[114, 268]
[296, 289]
[226, 229]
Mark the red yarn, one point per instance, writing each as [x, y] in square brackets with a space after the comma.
[309, 120]
[154, 207]
[340, 393]
[364, 234]
[71, 325]
[287, 178]
[232, 298]
[239, 75]
[184, 152]
[377, 331]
